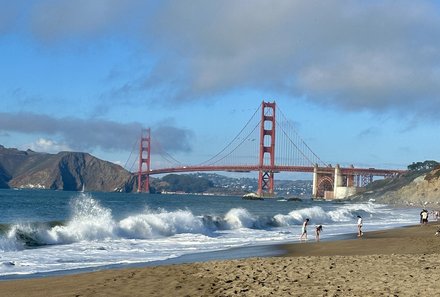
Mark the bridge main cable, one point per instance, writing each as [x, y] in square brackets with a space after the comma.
[230, 143]
[312, 162]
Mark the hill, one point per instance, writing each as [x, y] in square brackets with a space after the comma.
[69, 171]
[420, 186]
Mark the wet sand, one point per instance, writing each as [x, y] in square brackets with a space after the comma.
[398, 262]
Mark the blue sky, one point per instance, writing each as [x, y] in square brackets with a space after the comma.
[360, 79]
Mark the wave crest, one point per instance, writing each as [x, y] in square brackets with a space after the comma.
[90, 221]
[239, 218]
[152, 225]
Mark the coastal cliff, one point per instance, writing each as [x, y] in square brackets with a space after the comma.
[69, 171]
[415, 188]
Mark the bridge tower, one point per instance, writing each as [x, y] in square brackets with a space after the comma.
[144, 162]
[267, 149]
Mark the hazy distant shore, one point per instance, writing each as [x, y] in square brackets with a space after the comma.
[401, 262]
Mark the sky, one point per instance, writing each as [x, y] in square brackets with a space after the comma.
[359, 79]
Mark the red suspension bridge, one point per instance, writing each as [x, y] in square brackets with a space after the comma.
[267, 144]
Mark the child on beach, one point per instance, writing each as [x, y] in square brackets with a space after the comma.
[359, 225]
[304, 230]
[318, 230]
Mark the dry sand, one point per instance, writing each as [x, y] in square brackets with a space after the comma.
[401, 262]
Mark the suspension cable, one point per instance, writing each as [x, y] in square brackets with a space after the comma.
[164, 153]
[244, 139]
[134, 146]
[235, 138]
[299, 137]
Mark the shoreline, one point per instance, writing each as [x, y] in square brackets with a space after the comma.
[242, 252]
[400, 262]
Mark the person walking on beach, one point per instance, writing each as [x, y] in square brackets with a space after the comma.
[359, 225]
[304, 230]
[318, 230]
[424, 216]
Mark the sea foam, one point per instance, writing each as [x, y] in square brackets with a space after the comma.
[90, 221]
[97, 233]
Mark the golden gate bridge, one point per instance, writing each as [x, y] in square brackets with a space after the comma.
[267, 144]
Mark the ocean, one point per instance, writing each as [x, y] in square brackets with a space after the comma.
[54, 232]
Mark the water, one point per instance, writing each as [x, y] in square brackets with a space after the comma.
[50, 231]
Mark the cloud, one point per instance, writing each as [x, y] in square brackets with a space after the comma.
[165, 136]
[378, 56]
[48, 146]
[8, 15]
[369, 132]
[355, 55]
[89, 134]
[54, 20]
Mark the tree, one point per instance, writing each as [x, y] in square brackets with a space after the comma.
[426, 165]
[186, 183]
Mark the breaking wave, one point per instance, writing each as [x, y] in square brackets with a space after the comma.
[90, 221]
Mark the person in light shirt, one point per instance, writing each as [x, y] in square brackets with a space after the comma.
[359, 224]
[304, 230]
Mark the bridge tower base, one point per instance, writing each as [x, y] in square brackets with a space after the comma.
[144, 162]
[267, 150]
[315, 181]
[339, 184]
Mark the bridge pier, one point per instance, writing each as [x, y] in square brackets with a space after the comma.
[344, 186]
[323, 182]
[337, 184]
[315, 181]
[337, 179]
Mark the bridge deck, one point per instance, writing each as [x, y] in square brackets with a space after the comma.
[304, 169]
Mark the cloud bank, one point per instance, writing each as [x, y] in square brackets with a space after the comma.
[85, 135]
[356, 55]
[353, 54]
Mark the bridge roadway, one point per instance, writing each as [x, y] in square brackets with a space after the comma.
[276, 169]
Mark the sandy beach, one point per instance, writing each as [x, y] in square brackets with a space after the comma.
[398, 262]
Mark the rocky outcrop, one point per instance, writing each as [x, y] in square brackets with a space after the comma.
[70, 171]
[416, 188]
[4, 178]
